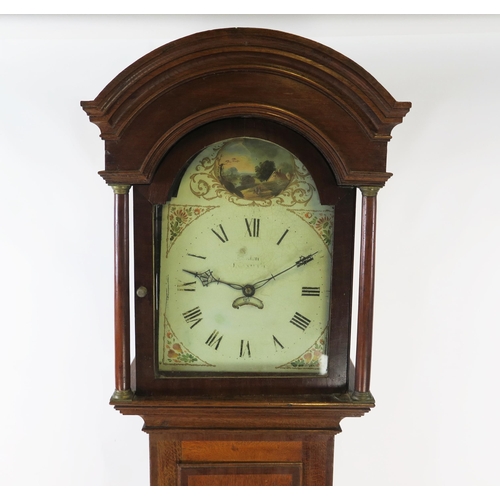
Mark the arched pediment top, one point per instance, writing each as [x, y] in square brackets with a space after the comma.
[223, 52]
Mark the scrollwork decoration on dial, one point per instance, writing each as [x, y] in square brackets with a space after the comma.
[321, 221]
[252, 172]
[179, 217]
[312, 358]
[174, 352]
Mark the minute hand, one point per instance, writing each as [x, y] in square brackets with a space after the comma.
[301, 262]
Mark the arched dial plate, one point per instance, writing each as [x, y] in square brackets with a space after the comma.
[245, 265]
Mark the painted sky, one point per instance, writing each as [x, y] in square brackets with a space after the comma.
[246, 153]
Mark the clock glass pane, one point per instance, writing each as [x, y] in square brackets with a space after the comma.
[244, 264]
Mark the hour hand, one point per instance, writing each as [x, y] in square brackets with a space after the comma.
[207, 277]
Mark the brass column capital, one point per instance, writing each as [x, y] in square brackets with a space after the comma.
[370, 190]
[120, 188]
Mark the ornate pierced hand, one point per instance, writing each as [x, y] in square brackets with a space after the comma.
[301, 262]
[207, 277]
[249, 290]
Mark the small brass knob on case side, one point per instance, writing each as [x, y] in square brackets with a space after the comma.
[141, 292]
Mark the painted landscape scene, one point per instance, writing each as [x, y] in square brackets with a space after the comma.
[254, 169]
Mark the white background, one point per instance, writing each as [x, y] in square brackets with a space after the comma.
[436, 330]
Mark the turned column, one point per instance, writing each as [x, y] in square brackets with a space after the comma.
[366, 293]
[122, 294]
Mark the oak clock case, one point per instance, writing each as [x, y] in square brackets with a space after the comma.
[244, 266]
[242, 151]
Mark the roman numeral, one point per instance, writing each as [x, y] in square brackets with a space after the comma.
[187, 287]
[197, 256]
[222, 236]
[253, 226]
[282, 236]
[245, 349]
[300, 321]
[310, 291]
[277, 343]
[193, 316]
[214, 340]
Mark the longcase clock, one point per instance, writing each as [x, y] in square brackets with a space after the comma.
[244, 149]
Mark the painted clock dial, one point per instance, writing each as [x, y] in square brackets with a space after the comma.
[245, 264]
